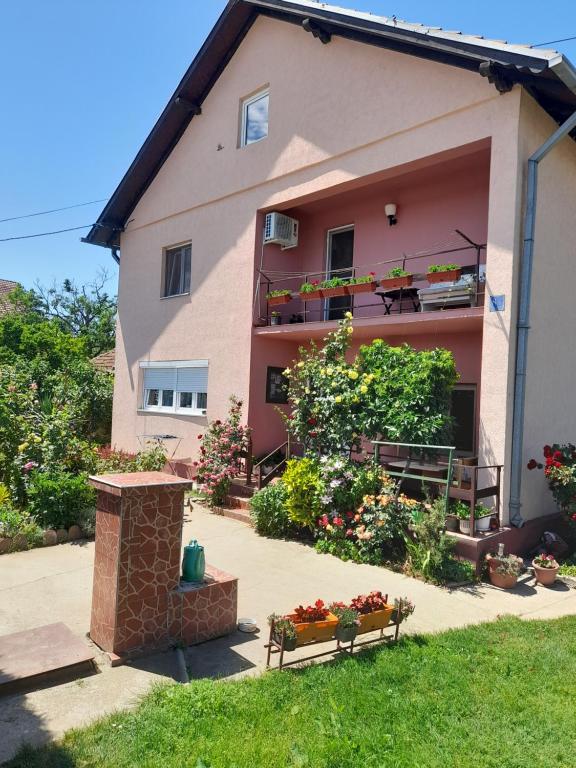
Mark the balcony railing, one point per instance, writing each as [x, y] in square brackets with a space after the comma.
[377, 297]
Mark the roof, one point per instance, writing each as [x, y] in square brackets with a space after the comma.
[105, 361]
[545, 73]
[6, 287]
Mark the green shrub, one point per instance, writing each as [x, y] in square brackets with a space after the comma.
[11, 521]
[269, 514]
[303, 489]
[59, 499]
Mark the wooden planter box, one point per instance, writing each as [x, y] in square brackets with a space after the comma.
[450, 276]
[375, 620]
[275, 300]
[392, 283]
[312, 295]
[315, 631]
[330, 293]
[362, 288]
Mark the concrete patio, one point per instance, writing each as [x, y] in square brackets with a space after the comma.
[49, 585]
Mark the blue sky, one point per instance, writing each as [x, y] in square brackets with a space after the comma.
[83, 83]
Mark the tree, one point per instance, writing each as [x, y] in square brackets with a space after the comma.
[85, 312]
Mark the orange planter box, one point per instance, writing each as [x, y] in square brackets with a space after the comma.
[450, 276]
[393, 283]
[315, 630]
[375, 620]
[275, 300]
[362, 287]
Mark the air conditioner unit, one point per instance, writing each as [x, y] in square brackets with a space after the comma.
[280, 230]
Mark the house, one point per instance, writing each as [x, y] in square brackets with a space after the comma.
[105, 361]
[6, 288]
[384, 144]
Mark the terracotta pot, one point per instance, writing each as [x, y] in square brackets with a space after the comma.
[375, 620]
[312, 295]
[545, 576]
[504, 581]
[306, 632]
[330, 293]
[362, 288]
[450, 276]
[345, 634]
[391, 283]
[50, 537]
[274, 300]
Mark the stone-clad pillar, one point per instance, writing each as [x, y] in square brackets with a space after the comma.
[137, 559]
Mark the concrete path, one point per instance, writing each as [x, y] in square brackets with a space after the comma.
[54, 584]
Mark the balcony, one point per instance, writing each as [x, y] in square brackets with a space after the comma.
[417, 302]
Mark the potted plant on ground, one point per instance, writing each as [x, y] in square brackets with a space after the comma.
[275, 318]
[504, 570]
[396, 278]
[348, 622]
[313, 623]
[374, 612]
[403, 609]
[362, 284]
[283, 631]
[443, 273]
[279, 297]
[335, 286]
[545, 569]
[310, 290]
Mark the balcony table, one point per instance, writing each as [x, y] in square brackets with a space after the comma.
[397, 295]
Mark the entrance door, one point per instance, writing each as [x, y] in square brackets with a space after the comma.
[339, 260]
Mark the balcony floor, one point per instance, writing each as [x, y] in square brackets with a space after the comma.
[463, 320]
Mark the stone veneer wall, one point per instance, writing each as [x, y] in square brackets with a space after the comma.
[138, 602]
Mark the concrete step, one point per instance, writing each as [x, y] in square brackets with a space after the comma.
[238, 502]
[239, 487]
[242, 515]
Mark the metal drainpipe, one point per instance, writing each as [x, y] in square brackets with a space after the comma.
[524, 317]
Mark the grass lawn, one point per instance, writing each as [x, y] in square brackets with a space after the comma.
[500, 694]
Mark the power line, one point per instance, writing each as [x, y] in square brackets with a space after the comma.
[45, 234]
[53, 210]
[551, 42]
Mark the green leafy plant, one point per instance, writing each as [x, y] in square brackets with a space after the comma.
[397, 272]
[347, 616]
[545, 561]
[282, 624]
[462, 510]
[11, 521]
[361, 279]
[269, 512]
[309, 287]
[57, 499]
[303, 489]
[333, 282]
[404, 608]
[444, 268]
[280, 292]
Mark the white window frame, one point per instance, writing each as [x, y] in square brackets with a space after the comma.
[182, 292]
[175, 407]
[244, 105]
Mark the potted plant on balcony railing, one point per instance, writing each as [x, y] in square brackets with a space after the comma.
[362, 284]
[279, 297]
[545, 569]
[374, 612]
[275, 318]
[396, 278]
[335, 286]
[310, 290]
[443, 273]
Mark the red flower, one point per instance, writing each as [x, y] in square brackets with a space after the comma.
[557, 455]
[338, 522]
[350, 532]
[312, 421]
[199, 437]
[532, 464]
[547, 451]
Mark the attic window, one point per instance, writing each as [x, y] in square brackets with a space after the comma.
[254, 118]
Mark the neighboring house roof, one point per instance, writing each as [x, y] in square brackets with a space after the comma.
[546, 74]
[105, 361]
[6, 287]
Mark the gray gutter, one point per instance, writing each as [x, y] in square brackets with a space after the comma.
[523, 325]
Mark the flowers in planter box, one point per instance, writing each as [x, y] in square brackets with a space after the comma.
[309, 287]
[310, 613]
[374, 601]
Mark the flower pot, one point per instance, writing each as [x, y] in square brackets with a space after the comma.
[502, 580]
[375, 620]
[307, 632]
[330, 293]
[345, 634]
[311, 295]
[392, 283]
[450, 276]
[545, 576]
[289, 642]
[483, 523]
[464, 525]
[274, 300]
[362, 288]
[452, 523]
[276, 320]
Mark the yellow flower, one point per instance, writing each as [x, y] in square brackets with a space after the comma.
[355, 399]
[363, 389]
[329, 371]
[300, 364]
[22, 447]
[287, 371]
[307, 391]
[348, 315]
[352, 374]
[350, 329]
[337, 399]
[334, 385]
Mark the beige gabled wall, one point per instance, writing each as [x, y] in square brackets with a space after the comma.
[550, 414]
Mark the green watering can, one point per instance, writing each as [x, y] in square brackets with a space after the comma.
[193, 562]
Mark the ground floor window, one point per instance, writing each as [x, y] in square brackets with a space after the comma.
[463, 412]
[276, 386]
[175, 387]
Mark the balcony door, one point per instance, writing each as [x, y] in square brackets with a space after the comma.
[339, 261]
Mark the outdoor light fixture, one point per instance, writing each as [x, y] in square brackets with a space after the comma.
[390, 209]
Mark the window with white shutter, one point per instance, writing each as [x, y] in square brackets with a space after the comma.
[175, 387]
